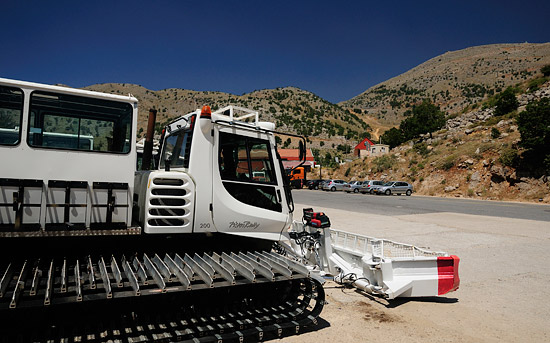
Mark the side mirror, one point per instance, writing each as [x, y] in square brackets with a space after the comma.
[302, 149]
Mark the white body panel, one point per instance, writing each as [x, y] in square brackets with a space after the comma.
[231, 215]
[381, 266]
[25, 162]
[215, 209]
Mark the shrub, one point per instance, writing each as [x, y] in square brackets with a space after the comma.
[545, 70]
[534, 128]
[506, 102]
[383, 163]
[491, 102]
[509, 157]
[470, 192]
[534, 84]
[447, 163]
[421, 149]
[495, 133]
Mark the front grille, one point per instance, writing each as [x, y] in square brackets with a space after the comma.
[170, 203]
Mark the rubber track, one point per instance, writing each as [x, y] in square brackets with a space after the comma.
[97, 302]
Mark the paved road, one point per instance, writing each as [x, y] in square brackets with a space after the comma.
[504, 249]
[402, 205]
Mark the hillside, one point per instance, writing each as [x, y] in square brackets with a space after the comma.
[292, 109]
[474, 156]
[453, 80]
[462, 160]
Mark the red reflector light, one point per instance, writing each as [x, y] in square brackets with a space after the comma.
[447, 270]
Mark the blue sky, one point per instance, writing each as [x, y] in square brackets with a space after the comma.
[335, 49]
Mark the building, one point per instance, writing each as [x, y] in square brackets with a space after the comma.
[291, 158]
[367, 148]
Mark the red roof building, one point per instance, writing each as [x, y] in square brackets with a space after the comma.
[367, 148]
[291, 158]
[365, 144]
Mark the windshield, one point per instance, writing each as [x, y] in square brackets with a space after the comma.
[176, 149]
[286, 185]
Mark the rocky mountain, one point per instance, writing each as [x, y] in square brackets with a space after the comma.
[474, 156]
[457, 81]
[294, 110]
[453, 80]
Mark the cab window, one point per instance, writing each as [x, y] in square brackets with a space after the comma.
[247, 170]
[60, 121]
[11, 107]
[177, 148]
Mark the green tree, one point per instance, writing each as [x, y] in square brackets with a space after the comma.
[534, 128]
[287, 143]
[328, 159]
[344, 148]
[545, 70]
[393, 137]
[364, 135]
[506, 102]
[426, 118]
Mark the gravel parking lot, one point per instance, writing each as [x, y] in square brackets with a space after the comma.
[503, 295]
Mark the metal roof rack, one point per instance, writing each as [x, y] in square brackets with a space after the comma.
[236, 113]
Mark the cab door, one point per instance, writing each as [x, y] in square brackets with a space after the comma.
[242, 202]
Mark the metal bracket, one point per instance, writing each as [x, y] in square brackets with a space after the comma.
[18, 202]
[111, 199]
[68, 186]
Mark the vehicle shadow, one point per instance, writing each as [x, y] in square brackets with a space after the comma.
[393, 303]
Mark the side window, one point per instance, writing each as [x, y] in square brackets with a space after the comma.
[11, 107]
[247, 170]
[176, 149]
[245, 159]
[62, 121]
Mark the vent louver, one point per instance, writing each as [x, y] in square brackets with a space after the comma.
[170, 203]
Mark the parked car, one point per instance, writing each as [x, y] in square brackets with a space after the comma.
[334, 185]
[395, 187]
[314, 184]
[368, 186]
[353, 186]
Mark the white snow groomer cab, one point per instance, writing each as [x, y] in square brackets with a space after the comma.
[92, 251]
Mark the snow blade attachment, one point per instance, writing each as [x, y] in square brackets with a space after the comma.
[377, 266]
[392, 269]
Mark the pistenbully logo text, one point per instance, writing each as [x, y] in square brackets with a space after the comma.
[244, 225]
